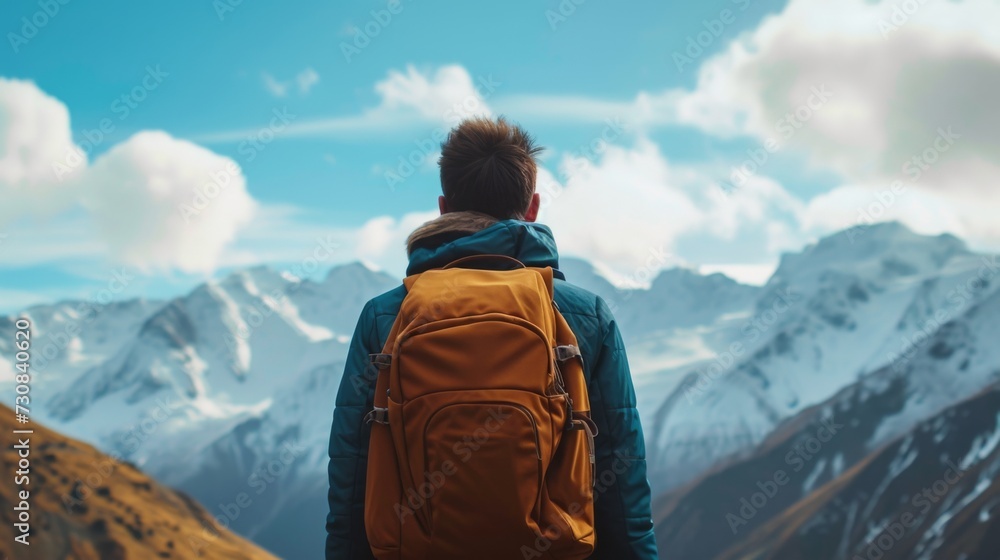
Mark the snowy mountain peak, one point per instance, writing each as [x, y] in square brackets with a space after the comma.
[355, 272]
[887, 236]
[583, 274]
[256, 281]
[878, 251]
[688, 278]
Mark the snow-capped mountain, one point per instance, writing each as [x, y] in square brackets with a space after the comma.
[203, 390]
[281, 456]
[843, 308]
[201, 364]
[817, 446]
[230, 388]
[678, 298]
[71, 336]
[824, 487]
[933, 494]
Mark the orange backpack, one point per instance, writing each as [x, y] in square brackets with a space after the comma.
[482, 444]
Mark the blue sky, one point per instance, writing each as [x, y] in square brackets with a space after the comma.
[646, 108]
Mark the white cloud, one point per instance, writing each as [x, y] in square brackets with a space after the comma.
[34, 135]
[382, 239]
[306, 79]
[619, 208]
[303, 82]
[911, 107]
[758, 201]
[893, 89]
[162, 202]
[273, 86]
[896, 82]
[897, 74]
[447, 96]
[132, 194]
[625, 212]
[407, 99]
[647, 110]
[631, 205]
[971, 216]
[910, 99]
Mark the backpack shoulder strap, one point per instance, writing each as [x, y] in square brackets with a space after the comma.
[569, 360]
[379, 365]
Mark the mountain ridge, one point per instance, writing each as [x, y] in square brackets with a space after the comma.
[243, 365]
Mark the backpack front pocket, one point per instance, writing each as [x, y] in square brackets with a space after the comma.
[481, 474]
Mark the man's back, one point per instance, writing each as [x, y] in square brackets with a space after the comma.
[623, 523]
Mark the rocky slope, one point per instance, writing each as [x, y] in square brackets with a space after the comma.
[86, 506]
[933, 494]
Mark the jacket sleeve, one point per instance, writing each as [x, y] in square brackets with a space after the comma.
[346, 538]
[624, 525]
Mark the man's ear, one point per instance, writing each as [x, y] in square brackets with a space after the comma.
[532, 213]
[442, 205]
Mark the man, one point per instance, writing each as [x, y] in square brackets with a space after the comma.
[489, 206]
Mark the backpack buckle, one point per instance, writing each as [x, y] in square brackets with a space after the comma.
[378, 415]
[380, 360]
[580, 421]
[567, 352]
[583, 422]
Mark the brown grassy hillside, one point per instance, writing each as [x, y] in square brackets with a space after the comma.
[86, 506]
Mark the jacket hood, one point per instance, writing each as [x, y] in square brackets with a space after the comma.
[455, 235]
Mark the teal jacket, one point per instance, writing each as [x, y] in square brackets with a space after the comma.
[624, 527]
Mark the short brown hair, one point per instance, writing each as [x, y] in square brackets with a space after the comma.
[489, 166]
